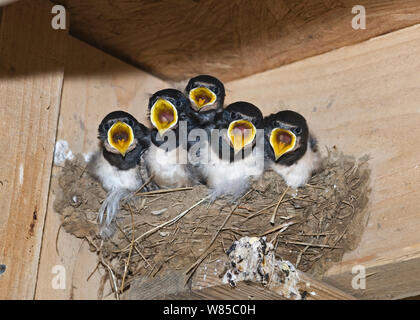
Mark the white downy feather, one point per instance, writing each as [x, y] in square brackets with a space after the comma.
[168, 168]
[227, 178]
[298, 174]
[118, 183]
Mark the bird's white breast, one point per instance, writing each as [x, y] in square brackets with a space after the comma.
[168, 168]
[299, 173]
[112, 178]
[230, 177]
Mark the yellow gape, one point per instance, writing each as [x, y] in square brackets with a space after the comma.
[163, 115]
[282, 141]
[120, 136]
[202, 97]
[241, 133]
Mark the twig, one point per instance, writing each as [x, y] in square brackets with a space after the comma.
[164, 191]
[135, 247]
[91, 274]
[155, 199]
[259, 212]
[303, 199]
[206, 252]
[300, 254]
[316, 234]
[131, 250]
[227, 218]
[93, 244]
[280, 227]
[273, 217]
[309, 244]
[144, 184]
[314, 186]
[112, 279]
[195, 265]
[168, 223]
[83, 171]
[341, 235]
[56, 239]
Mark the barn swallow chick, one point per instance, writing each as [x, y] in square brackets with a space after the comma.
[118, 166]
[207, 96]
[234, 154]
[167, 156]
[290, 149]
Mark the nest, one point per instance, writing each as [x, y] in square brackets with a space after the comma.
[174, 231]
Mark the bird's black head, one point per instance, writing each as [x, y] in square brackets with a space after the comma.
[167, 108]
[207, 96]
[242, 120]
[123, 138]
[286, 134]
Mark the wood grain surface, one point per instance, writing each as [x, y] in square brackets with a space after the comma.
[175, 39]
[364, 99]
[30, 107]
[95, 84]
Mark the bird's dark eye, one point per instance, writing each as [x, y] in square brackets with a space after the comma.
[216, 90]
[177, 103]
[297, 130]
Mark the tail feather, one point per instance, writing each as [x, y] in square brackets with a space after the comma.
[109, 209]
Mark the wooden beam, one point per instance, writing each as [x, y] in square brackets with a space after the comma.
[94, 85]
[207, 284]
[359, 98]
[319, 290]
[243, 291]
[30, 103]
[177, 39]
[6, 2]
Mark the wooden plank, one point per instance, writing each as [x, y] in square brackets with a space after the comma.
[177, 39]
[207, 284]
[94, 85]
[364, 99]
[30, 103]
[319, 290]
[6, 2]
[243, 291]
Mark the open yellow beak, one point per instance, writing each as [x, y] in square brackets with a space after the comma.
[120, 136]
[241, 133]
[202, 97]
[163, 115]
[282, 141]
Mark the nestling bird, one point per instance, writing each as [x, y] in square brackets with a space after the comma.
[290, 149]
[167, 156]
[234, 154]
[119, 165]
[207, 96]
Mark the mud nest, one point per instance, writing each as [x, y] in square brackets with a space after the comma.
[167, 231]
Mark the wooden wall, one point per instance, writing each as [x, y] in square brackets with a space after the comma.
[230, 39]
[365, 100]
[52, 87]
[31, 78]
[362, 98]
